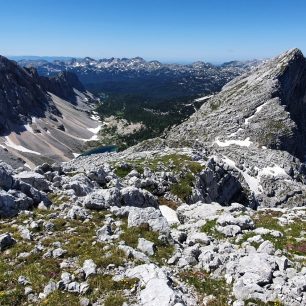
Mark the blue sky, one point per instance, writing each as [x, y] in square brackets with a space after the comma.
[167, 30]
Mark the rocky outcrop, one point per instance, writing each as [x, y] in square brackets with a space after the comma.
[255, 129]
[63, 85]
[20, 97]
[264, 106]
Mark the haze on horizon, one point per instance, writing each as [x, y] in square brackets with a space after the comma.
[169, 31]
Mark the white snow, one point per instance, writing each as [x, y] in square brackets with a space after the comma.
[276, 171]
[253, 182]
[28, 128]
[203, 98]
[169, 214]
[95, 130]
[235, 133]
[228, 142]
[95, 117]
[258, 109]
[20, 148]
[26, 165]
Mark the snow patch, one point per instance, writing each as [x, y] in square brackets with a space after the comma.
[228, 142]
[258, 109]
[20, 148]
[29, 128]
[95, 130]
[95, 117]
[253, 182]
[203, 98]
[235, 133]
[275, 171]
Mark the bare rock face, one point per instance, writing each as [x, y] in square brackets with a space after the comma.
[265, 106]
[20, 96]
[255, 129]
[62, 85]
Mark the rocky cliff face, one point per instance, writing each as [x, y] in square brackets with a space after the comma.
[63, 85]
[42, 119]
[267, 105]
[256, 127]
[20, 97]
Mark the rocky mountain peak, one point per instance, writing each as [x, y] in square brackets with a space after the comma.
[20, 96]
[264, 105]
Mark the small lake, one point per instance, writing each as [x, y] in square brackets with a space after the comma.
[102, 149]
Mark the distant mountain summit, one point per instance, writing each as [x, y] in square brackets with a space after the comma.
[138, 76]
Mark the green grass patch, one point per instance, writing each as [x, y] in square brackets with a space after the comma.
[210, 229]
[123, 171]
[114, 300]
[58, 297]
[104, 284]
[57, 199]
[183, 188]
[131, 235]
[290, 241]
[205, 285]
[252, 302]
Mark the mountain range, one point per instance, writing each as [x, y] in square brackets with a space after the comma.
[137, 76]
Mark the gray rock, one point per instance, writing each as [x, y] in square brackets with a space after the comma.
[198, 211]
[22, 280]
[146, 246]
[150, 216]
[59, 252]
[6, 180]
[80, 184]
[84, 288]
[258, 266]
[102, 199]
[77, 213]
[98, 175]
[229, 230]
[266, 247]
[34, 179]
[89, 267]
[73, 287]
[6, 241]
[8, 207]
[51, 287]
[28, 290]
[132, 196]
[157, 288]
[132, 253]
[84, 301]
[105, 233]
[197, 237]
[25, 233]
[244, 222]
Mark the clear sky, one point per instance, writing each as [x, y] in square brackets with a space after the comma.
[166, 30]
